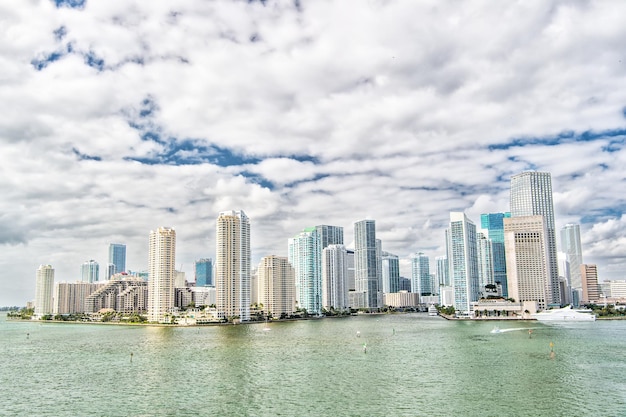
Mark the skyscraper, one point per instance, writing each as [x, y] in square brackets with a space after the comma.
[527, 254]
[44, 286]
[390, 265]
[571, 246]
[161, 269]
[329, 235]
[232, 265]
[305, 257]
[589, 278]
[463, 261]
[90, 271]
[204, 272]
[420, 274]
[276, 286]
[531, 195]
[494, 224]
[117, 257]
[442, 271]
[335, 277]
[366, 262]
[485, 261]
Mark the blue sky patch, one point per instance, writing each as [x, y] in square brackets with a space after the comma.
[84, 157]
[60, 33]
[72, 4]
[92, 60]
[567, 136]
[45, 60]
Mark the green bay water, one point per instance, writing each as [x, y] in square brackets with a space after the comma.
[413, 365]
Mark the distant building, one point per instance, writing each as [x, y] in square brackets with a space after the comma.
[90, 271]
[404, 284]
[44, 287]
[117, 257]
[204, 272]
[161, 264]
[420, 274]
[463, 261]
[110, 271]
[335, 277]
[70, 297]
[442, 275]
[401, 299]
[614, 288]
[572, 247]
[390, 265]
[366, 265]
[531, 195]
[232, 265]
[485, 261]
[589, 279]
[276, 286]
[494, 224]
[305, 257]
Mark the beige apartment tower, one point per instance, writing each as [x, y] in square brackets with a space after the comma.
[232, 265]
[276, 284]
[44, 287]
[527, 259]
[162, 260]
[589, 279]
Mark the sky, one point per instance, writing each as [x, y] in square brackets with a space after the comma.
[117, 117]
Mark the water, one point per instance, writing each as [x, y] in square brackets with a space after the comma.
[415, 365]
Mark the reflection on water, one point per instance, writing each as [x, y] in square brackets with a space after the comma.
[414, 365]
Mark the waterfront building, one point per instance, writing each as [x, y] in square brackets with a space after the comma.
[123, 294]
[527, 254]
[366, 262]
[90, 271]
[305, 257]
[589, 280]
[70, 297]
[204, 272]
[335, 277]
[232, 265]
[276, 286]
[485, 261]
[44, 286]
[572, 247]
[442, 274]
[196, 296]
[531, 195]
[614, 288]
[117, 257]
[161, 264]
[401, 299]
[351, 274]
[390, 266]
[446, 296]
[493, 223]
[463, 261]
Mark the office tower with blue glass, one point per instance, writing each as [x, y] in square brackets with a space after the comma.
[572, 247]
[420, 274]
[493, 223]
[204, 272]
[117, 257]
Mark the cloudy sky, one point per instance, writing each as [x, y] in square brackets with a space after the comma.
[117, 117]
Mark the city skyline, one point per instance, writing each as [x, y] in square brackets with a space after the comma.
[301, 113]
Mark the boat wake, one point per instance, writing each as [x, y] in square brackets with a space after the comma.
[499, 330]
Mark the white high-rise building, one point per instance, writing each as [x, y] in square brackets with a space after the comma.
[232, 265]
[390, 265]
[366, 263]
[441, 271]
[527, 254]
[420, 274]
[44, 286]
[335, 277]
[531, 195]
[463, 261]
[571, 246]
[485, 261]
[90, 271]
[276, 286]
[161, 270]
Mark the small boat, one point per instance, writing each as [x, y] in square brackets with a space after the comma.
[564, 314]
[432, 310]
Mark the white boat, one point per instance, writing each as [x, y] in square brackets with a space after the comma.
[432, 310]
[564, 314]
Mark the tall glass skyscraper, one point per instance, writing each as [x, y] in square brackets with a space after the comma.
[485, 261]
[420, 274]
[161, 264]
[493, 223]
[390, 265]
[335, 277]
[232, 265]
[463, 261]
[117, 257]
[531, 195]
[305, 257]
[204, 272]
[571, 246]
[366, 262]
